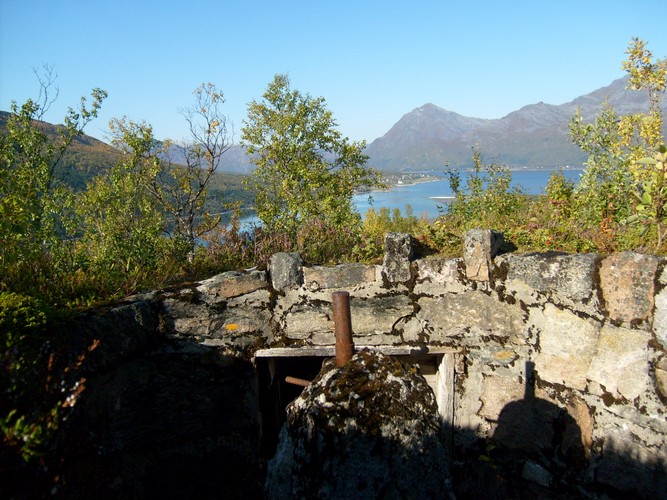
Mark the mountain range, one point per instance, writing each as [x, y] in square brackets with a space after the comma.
[536, 135]
[431, 137]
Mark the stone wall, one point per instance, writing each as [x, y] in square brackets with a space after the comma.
[561, 361]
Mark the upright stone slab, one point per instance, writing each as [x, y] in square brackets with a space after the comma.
[627, 282]
[398, 254]
[286, 271]
[480, 247]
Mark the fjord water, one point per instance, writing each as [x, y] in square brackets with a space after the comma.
[425, 197]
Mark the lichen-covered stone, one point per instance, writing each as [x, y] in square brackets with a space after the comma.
[439, 276]
[479, 249]
[620, 363]
[567, 280]
[578, 438]
[378, 315]
[632, 470]
[367, 430]
[466, 313]
[237, 323]
[397, 257]
[286, 271]
[497, 392]
[185, 316]
[628, 283]
[231, 284]
[566, 346]
[341, 276]
[303, 321]
[371, 318]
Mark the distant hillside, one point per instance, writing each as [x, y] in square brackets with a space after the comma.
[234, 161]
[428, 137]
[536, 135]
[85, 158]
[88, 157]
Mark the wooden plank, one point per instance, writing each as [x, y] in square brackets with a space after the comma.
[295, 352]
[444, 393]
[329, 351]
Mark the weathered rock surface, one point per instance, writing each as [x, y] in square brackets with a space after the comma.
[628, 283]
[469, 315]
[438, 276]
[660, 318]
[621, 361]
[231, 284]
[342, 276]
[479, 249]
[661, 378]
[286, 271]
[366, 430]
[397, 257]
[635, 472]
[236, 323]
[567, 280]
[567, 346]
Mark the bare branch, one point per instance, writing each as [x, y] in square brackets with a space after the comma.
[46, 80]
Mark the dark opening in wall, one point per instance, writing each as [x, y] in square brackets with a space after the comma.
[273, 366]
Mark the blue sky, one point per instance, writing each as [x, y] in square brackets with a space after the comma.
[373, 61]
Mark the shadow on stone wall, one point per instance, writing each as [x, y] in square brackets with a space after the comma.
[165, 418]
[156, 417]
[537, 450]
[536, 446]
[178, 421]
[540, 430]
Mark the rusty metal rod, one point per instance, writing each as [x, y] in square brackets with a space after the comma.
[342, 327]
[297, 381]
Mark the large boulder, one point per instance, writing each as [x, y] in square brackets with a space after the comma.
[369, 429]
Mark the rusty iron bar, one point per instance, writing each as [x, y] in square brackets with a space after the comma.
[342, 327]
[297, 381]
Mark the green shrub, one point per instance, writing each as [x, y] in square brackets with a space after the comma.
[25, 423]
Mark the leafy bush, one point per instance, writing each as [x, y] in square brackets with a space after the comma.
[377, 223]
[25, 423]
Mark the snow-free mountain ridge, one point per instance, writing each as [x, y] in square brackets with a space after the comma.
[536, 135]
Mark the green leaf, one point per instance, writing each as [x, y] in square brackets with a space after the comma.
[646, 198]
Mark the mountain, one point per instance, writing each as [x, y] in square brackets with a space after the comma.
[88, 157]
[536, 135]
[85, 158]
[429, 137]
[233, 161]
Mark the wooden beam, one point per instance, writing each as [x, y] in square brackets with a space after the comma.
[329, 351]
